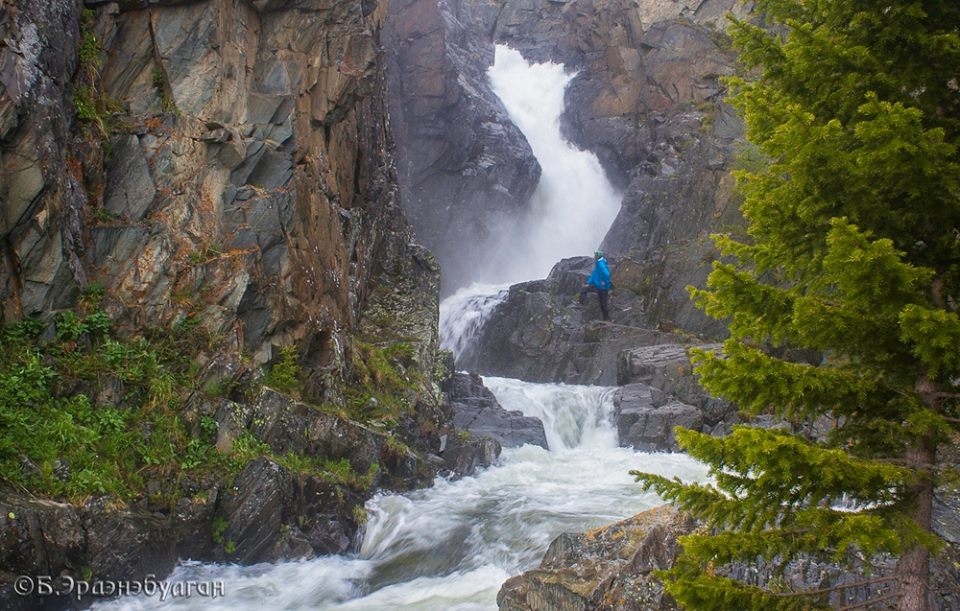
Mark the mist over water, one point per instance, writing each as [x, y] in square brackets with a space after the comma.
[450, 547]
[574, 203]
[570, 212]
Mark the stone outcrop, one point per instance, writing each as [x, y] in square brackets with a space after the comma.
[542, 333]
[476, 410]
[606, 568]
[646, 417]
[612, 568]
[658, 391]
[667, 367]
[466, 172]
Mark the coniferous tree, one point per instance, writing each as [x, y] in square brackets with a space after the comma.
[852, 253]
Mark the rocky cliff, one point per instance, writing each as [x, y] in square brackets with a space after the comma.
[211, 158]
[203, 244]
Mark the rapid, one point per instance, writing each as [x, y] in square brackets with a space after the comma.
[450, 547]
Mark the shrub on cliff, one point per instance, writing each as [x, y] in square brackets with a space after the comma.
[853, 253]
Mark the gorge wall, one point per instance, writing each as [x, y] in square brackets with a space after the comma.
[466, 173]
[226, 159]
[222, 170]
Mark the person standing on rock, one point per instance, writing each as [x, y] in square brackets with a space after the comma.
[599, 283]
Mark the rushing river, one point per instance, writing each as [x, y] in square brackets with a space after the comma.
[452, 546]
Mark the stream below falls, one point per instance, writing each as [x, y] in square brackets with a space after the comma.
[451, 546]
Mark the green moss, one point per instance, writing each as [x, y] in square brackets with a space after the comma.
[85, 103]
[89, 51]
[385, 384]
[157, 78]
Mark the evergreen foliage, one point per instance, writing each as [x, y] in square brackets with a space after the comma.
[852, 254]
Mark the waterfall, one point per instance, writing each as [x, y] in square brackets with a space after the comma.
[570, 211]
[463, 314]
[453, 545]
[574, 203]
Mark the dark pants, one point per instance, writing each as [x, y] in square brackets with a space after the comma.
[601, 294]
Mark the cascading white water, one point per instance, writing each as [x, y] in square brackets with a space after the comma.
[464, 313]
[452, 546]
[574, 203]
[571, 209]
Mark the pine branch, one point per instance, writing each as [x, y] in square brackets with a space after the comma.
[872, 601]
[837, 588]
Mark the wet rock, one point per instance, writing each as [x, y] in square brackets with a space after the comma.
[606, 568]
[646, 418]
[96, 539]
[463, 457]
[476, 410]
[667, 367]
[542, 333]
[270, 514]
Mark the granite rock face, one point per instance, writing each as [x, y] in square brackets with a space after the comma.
[229, 161]
[41, 224]
[466, 172]
[476, 410]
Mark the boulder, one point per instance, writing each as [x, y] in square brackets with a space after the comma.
[667, 367]
[646, 418]
[467, 456]
[606, 568]
[476, 410]
[271, 514]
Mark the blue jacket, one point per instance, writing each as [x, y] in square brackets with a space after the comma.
[600, 277]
